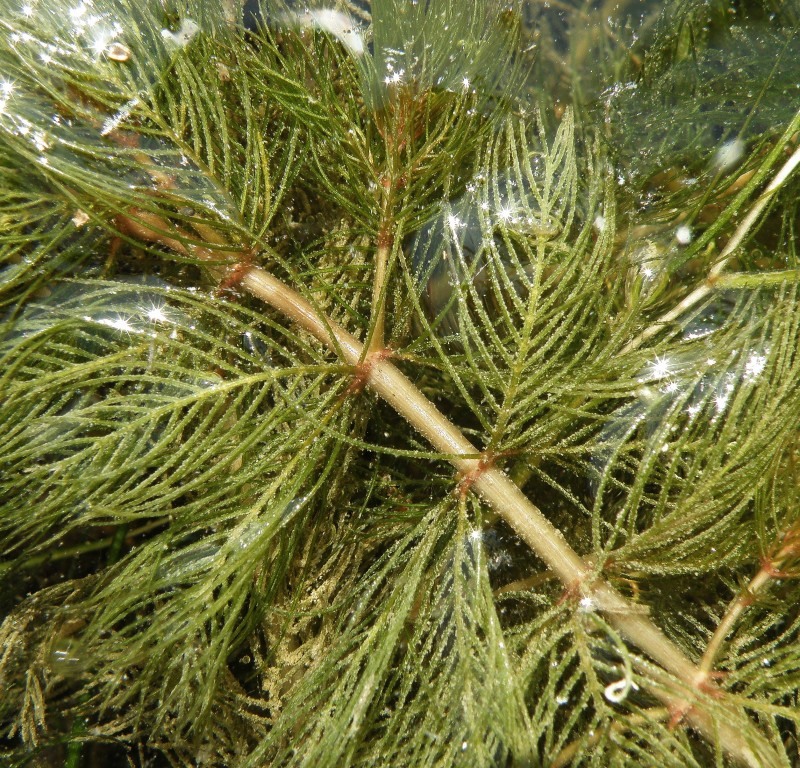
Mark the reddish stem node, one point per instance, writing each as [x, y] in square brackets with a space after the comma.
[772, 570]
[385, 239]
[236, 274]
[486, 461]
[571, 592]
[363, 370]
[708, 685]
[678, 713]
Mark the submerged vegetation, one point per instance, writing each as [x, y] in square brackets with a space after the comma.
[400, 384]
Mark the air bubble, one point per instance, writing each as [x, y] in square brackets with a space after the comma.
[66, 658]
[683, 235]
[728, 155]
[118, 52]
[185, 34]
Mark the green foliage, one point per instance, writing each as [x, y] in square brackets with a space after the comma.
[220, 548]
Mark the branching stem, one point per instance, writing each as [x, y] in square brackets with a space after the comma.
[384, 243]
[747, 223]
[386, 380]
[499, 491]
[376, 340]
[737, 607]
[779, 563]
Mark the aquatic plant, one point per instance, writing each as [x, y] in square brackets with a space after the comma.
[407, 383]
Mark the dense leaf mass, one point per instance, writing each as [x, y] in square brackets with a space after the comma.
[575, 231]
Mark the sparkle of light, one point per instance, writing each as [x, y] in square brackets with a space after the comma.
[395, 77]
[587, 604]
[99, 41]
[156, 314]
[78, 11]
[660, 368]
[505, 214]
[754, 366]
[118, 323]
[454, 222]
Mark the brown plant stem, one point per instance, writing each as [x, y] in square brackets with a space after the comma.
[383, 250]
[510, 503]
[377, 372]
[783, 555]
[376, 340]
[737, 607]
